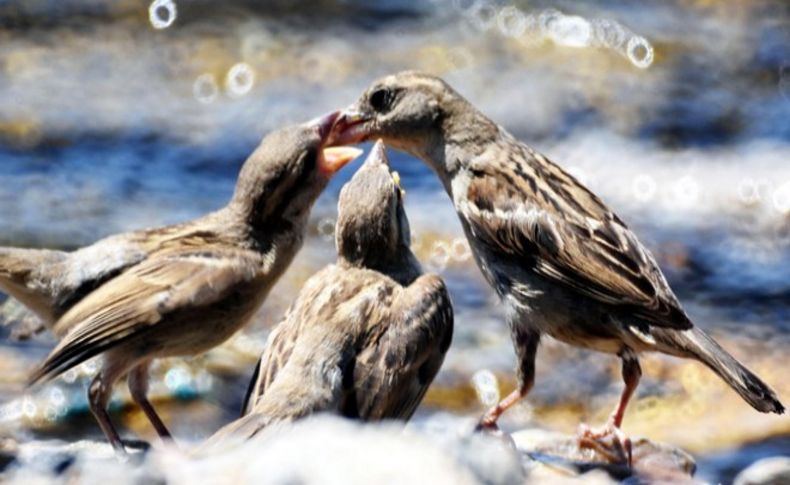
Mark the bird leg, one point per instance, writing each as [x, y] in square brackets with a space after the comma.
[99, 393]
[526, 345]
[609, 440]
[138, 387]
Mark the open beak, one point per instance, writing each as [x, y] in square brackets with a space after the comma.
[333, 159]
[324, 125]
[350, 127]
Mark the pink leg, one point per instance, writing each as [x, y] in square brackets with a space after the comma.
[526, 343]
[594, 439]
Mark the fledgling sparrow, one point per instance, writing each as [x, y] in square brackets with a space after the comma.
[176, 290]
[366, 335]
[562, 263]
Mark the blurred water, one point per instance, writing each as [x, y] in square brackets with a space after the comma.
[119, 115]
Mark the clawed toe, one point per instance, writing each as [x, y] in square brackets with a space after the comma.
[609, 441]
[486, 425]
[490, 428]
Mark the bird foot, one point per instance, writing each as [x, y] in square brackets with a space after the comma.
[490, 428]
[135, 445]
[609, 441]
[487, 424]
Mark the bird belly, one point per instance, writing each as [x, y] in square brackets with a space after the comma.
[566, 316]
[196, 330]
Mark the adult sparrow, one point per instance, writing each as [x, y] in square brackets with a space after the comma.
[181, 289]
[366, 335]
[561, 261]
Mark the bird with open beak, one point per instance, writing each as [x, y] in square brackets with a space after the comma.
[560, 260]
[366, 335]
[177, 290]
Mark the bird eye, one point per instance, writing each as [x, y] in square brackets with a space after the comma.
[381, 99]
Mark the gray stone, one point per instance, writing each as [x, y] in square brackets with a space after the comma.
[768, 471]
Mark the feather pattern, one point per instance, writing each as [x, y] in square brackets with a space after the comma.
[562, 262]
[365, 336]
[521, 205]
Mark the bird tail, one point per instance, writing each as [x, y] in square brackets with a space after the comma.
[750, 387]
[16, 267]
[16, 264]
[234, 433]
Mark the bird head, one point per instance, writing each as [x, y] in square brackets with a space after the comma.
[372, 226]
[289, 170]
[408, 110]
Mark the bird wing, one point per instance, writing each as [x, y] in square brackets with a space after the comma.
[324, 288]
[234, 433]
[142, 296]
[278, 350]
[546, 220]
[401, 356]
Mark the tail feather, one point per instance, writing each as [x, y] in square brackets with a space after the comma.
[17, 264]
[18, 270]
[750, 387]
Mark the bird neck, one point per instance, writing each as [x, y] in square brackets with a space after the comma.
[398, 263]
[269, 197]
[464, 135]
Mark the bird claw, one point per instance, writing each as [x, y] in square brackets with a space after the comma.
[609, 441]
[490, 428]
[486, 425]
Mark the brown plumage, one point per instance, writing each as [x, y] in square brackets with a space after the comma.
[562, 262]
[365, 336]
[177, 290]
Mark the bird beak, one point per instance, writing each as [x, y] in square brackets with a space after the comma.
[378, 154]
[334, 158]
[350, 127]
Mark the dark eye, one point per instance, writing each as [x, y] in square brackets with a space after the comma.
[381, 99]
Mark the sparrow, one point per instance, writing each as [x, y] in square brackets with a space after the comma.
[366, 335]
[562, 263]
[177, 290]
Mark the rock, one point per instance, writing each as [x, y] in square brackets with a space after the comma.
[438, 449]
[329, 450]
[768, 471]
[81, 461]
[561, 453]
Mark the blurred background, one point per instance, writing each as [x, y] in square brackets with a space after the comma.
[119, 115]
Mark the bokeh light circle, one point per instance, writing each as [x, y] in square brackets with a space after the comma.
[781, 198]
[640, 52]
[205, 88]
[162, 13]
[609, 33]
[749, 191]
[326, 228]
[240, 79]
[686, 191]
[570, 31]
[483, 15]
[644, 187]
[511, 21]
[486, 386]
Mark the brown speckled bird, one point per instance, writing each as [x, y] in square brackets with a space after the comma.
[560, 260]
[366, 335]
[177, 290]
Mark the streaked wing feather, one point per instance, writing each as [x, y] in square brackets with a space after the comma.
[401, 359]
[551, 223]
[131, 303]
[278, 350]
